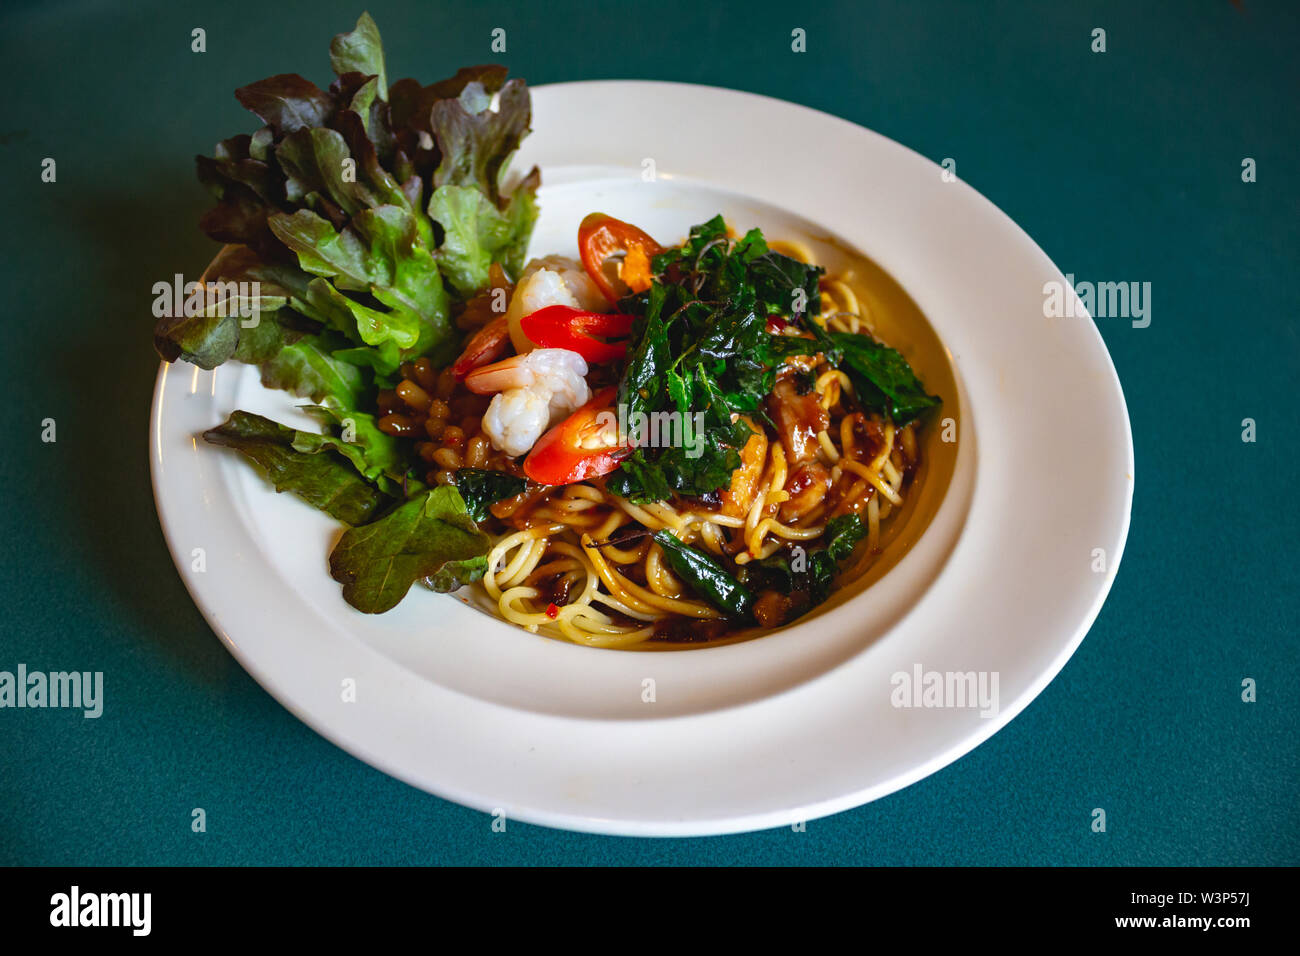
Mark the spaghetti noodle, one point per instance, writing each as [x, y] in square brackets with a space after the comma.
[578, 561]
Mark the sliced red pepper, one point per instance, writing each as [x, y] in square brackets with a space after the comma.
[577, 449]
[564, 327]
[601, 236]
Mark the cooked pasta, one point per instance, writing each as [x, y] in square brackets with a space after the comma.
[563, 561]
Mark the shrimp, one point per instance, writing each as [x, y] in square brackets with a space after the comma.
[575, 277]
[515, 420]
[485, 345]
[554, 280]
[534, 391]
[556, 370]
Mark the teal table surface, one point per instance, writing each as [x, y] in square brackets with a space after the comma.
[1124, 166]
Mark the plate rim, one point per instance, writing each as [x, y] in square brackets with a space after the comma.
[739, 823]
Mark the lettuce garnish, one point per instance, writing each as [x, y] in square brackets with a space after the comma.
[364, 213]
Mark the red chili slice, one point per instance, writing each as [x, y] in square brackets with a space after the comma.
[564, 327]
[577, 449]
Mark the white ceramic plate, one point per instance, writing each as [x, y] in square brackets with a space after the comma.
[794, 725]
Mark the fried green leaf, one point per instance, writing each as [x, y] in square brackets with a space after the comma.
[481, 488]
[882, 379]
[706, 577]
[815, 573]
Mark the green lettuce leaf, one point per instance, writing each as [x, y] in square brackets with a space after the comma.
[377, 254]
[315, 166]
[361, 51]
[286, 102]
[355, 435]
[340, 184]
[308, 369]
[241, 295]
[430, 537]
[326, 481]
[360, 211]
[476, 233]
[476, 141]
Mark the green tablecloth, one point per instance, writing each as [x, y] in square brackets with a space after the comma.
[1123, 165]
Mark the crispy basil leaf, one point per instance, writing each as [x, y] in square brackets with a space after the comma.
[882, 378]
[820, 566]
[784, 285]
[648, 358]
[639, 480]
[842, 535]
[481, 488]
[701, 346]
[706, 577]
